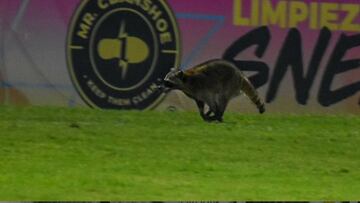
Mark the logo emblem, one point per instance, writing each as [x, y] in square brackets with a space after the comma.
[118, 52]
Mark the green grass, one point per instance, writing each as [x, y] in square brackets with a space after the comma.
[84, 154]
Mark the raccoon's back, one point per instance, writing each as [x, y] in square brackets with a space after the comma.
[215, 75]
[219, 69]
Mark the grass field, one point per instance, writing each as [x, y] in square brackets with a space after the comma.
[84, 154]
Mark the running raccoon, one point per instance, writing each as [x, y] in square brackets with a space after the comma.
[213, 83]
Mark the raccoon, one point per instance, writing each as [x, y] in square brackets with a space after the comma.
[213, 83]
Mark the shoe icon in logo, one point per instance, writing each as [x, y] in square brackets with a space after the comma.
[126, 48]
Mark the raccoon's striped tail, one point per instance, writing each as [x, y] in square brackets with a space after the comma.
[253, 95]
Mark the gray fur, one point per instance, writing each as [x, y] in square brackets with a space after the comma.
[213, 83]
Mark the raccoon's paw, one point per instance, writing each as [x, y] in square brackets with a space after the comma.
[261, 109]
[211, 119]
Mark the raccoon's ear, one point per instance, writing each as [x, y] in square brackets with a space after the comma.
[181, 76]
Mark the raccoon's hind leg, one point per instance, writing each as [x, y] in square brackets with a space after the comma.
[253, 95]
[218, 108]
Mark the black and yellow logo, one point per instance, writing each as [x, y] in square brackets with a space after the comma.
[119, 50]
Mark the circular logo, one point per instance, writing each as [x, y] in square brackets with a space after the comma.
[119, 51]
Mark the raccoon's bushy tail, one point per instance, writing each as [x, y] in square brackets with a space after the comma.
[253, 95]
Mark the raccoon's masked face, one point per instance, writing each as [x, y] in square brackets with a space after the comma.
[174, 79]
